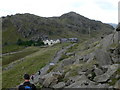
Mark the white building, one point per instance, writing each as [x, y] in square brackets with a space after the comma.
[51, 42]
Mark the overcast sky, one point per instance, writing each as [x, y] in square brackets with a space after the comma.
[102, 10]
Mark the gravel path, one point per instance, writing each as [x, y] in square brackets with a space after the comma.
[46, 68]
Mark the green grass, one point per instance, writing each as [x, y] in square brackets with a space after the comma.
[11, 48]
[10, 35]
[63, 57]
[73, 69]
[73, 48]
[114, 80]
[13, 57]
[30, 65]
[51, 68]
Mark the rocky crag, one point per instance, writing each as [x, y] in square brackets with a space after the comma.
[91, 64]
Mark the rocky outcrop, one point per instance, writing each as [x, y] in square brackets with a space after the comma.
[106, 76]
[59, 85]
[95, 66]
[50, 79]
[109, 40]
[102, 57]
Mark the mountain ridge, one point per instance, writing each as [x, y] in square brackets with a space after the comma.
[113, 24]
[29, 26]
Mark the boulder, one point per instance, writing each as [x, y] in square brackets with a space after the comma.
[75, 78]
[107, 41]
[106, 76]
[51, 79]
[83, 81]
[78, 58]
[77, 61]
[98, 71]
[59, 85]
[67, 75]
[116, 59]
[86, 57]
[70, 54]
[91, 57]
[102, 57]
[67, 61]
[81, 73]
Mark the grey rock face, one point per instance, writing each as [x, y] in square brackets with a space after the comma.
[103, 57]
[107, 41]
[116, 37]
[51, 79]
[106, 76]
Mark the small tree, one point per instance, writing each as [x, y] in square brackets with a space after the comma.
[19, 42]
[5, 43]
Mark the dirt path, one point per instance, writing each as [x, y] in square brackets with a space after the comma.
[10, 53]
[55, 60]
[11, 65]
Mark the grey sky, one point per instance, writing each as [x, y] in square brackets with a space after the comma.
[103, 10]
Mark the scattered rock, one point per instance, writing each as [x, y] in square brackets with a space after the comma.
[106, 76]
[83, 80]
[75, 78]
[51, 79]
[59, 85]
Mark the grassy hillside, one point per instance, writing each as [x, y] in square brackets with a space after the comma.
[31, 63]
[32, 27]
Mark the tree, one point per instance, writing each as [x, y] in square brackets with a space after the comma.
[5, 43]
[20, 42]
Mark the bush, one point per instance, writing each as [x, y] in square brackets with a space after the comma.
[30, 42]
[19, 42]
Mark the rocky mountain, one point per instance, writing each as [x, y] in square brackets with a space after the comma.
[113, 24]
[95, 65]
[29, 26]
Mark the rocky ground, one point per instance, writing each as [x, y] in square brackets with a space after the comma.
[97, 65]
